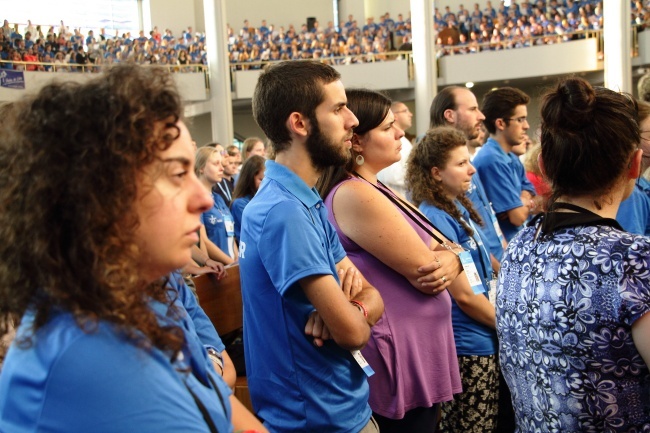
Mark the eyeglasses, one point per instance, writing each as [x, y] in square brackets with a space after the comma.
[521, 119]
[402, 111]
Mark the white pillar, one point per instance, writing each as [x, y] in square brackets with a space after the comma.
[424, 59]
[220, 93]
[618, 44]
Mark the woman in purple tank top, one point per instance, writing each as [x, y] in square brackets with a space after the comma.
[412, 348]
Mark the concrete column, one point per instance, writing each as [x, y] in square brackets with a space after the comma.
[424, 59]
[618, 45]
[220, 92]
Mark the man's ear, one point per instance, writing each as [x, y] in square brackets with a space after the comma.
[450, 116]
[500, 124]
[297, 124]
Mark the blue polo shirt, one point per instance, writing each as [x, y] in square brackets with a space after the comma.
[634, 212]
[504, 179]
[294, 385]
[237, 210]
[69, 380]
[472, 338]
[476, 194]
[216, 221]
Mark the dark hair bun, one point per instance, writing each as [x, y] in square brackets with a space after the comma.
[571, 105]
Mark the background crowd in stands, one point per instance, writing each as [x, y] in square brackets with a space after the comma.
[483, 28]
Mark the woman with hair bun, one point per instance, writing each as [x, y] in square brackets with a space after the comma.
[574, 289]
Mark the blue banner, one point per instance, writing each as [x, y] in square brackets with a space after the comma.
[12, 79]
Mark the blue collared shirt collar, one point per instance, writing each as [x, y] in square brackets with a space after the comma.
[492, 143]
[292, 182]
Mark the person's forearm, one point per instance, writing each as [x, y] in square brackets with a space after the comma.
[477, 307]
[370, 298]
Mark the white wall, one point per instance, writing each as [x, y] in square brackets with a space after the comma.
[175, 15]
[280, 13]
[544, 60]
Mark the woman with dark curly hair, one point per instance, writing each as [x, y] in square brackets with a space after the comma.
[250, 178]
[438, 175]
[99, 204]
[573, 295]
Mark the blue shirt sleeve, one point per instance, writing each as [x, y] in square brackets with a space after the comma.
[444, 222]
[202, 324]
[500, 187]
[296, 245]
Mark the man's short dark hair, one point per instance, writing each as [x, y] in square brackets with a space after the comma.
[287, 87]
[443, 101]
[501, 104]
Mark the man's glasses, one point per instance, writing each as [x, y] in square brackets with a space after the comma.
[521, 119]
[402, 111]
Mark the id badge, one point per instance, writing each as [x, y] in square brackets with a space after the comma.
[497, 228]
[362, 362]
[492, 294]
[229, 223]
[472, 273]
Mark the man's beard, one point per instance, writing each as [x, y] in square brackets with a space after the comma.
[323, 151]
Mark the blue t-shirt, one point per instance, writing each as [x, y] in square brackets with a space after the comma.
[237, 209]
[202, 324]
[476, 194]
[72, 381]
[634, 212]
[294, 385]
[504, 180]
[219, 225]
[472, 337]
[566, 303]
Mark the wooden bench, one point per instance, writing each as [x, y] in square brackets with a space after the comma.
[222, 302]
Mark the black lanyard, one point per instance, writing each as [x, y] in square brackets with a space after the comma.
[582, 217]
[411, 212]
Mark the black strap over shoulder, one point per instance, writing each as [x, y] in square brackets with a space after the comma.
[409, 210]
[553, 220]
[206, 416]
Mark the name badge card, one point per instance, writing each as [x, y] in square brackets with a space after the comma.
[472, 273]
[229, 223]
[362, 362]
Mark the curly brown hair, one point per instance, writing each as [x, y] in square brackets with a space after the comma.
[69, 159]
[433, 151]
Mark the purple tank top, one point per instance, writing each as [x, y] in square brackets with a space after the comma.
[412, 347]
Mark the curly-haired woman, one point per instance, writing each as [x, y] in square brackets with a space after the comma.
[99, 204]
[438, 175]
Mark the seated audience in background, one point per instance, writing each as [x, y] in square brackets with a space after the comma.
[235, 154]
[250, 179]
[415, 370]
[438, 176]
[112, 206]
[226, 187]
[218, 221]
[573, 294]
[253, 146]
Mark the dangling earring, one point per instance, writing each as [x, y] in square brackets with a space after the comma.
[359, 159]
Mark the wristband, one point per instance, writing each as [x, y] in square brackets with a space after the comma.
[361, 307]
[206, 262]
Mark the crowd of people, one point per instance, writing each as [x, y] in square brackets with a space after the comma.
[63, 49]
[465, 304]
[482, 28]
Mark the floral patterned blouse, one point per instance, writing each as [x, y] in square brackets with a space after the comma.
[566, 302]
